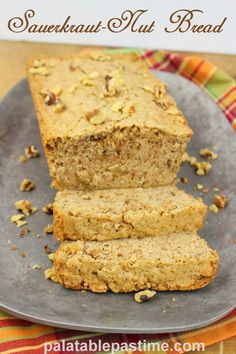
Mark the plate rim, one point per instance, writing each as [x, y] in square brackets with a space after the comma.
[66, 325]
[94, 329]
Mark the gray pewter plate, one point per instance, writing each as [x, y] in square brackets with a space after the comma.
[24, 291]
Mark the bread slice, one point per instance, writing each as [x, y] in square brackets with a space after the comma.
[106, 122]
[121, 213]
[180, 261]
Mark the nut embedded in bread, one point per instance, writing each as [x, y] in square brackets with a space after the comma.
[111, 123]
[122, 213]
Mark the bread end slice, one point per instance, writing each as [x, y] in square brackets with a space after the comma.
[169, 262]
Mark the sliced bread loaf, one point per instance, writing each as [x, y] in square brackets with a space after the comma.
[106, 122]
[180, 261]
[121, 213]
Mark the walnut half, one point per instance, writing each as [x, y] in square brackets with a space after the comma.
[144, 296]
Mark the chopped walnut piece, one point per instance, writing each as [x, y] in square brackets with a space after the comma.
[59, 107]
[123, 107]
[148, 89]
[31, 152]
[201, 167]
[17, 217]
[167, 104]
[107, 79]
[24, 231]
[38, 63]
[51, 99]
[23, 254]
[98, 56]
[22, 158]
[18, 220]
[208, 153]
[26, 185]
[187, 158]
[161, 98]
[205, 190]
[47, 249]
[12, 246]
[184, 179]
[21, 223]
[57, 90]
[172, 110]
[25, 207]
[144, 296]
[43, 92]
[98, 118]
[48, 229]
[39, 68]
[48, 209]
[36, 266]
[129, 109]
[91, 114]
[86, 80]
[117, 106]
[221, 201]
[160, 91]
[51, 274]
[42, 71]
[51, 256]
[200, 172]
[75, 65]
[113, 84]
[213, 208]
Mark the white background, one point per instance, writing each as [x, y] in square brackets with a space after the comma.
[91, 11]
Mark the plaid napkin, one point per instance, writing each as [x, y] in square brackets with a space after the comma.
[20, 336]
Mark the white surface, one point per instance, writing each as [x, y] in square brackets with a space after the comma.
[92, 11]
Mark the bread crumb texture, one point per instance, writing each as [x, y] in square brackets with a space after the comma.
[181, 261]
[121, 213]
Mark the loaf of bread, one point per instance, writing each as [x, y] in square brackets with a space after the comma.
[106, 122]
[121, 213]
[180, 261]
